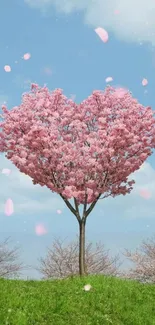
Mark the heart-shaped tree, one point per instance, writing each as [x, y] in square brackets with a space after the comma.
[79, 151]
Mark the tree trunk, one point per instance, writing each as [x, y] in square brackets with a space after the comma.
[82, 248]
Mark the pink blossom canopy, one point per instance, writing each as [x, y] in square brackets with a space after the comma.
[79, 150]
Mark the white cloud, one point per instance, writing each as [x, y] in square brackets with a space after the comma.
[133, 205]
[139, 207]
[25, 195]
[134, 22]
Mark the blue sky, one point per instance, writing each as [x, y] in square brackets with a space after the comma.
[67, 53]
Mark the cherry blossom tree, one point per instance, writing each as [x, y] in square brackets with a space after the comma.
[62, 260]
[80, 151]
[144, 262]
[9, 264]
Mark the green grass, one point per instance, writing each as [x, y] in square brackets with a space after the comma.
[64, 302]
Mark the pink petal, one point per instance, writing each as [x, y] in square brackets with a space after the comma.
[9, 207]
[59, 211]
[120, 92]
[26, 56]
[109, 79]
[7, 68]
[145, 194]
[48, 71]
[6, 171]
[102, 33]
[116, 12]
[87, 287]
[40, 230]
[72, 96]
[144, 82]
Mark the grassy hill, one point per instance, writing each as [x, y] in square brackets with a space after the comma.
[65, 302]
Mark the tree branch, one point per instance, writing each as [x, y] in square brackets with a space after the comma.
[92, 206]
[70, 207]
[85, 207]
[77, 210]
[94, 203]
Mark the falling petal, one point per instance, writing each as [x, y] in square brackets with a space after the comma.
[6, 171]
[87, 287]
[40, 230]
[26, 56]
[7, 68]
[120, 92]
[48, 71]
[144, 82]
[145, 194]
[72, 96]
[102, 33]
[9, 207]
[116, 12]
[109, 79]
[59, 211]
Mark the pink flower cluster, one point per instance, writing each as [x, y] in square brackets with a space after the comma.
[79, 149]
